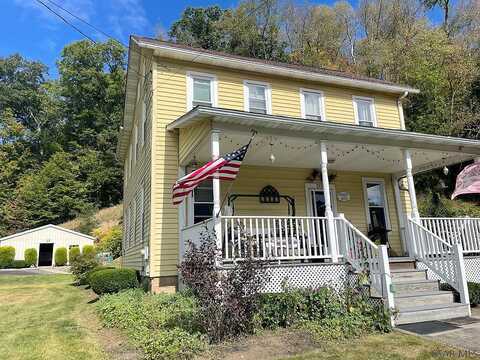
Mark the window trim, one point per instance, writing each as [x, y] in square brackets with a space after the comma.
[372, 108]
[135, 144]
[246, 94]
[365, 181]
[191, 207]
[143, 121]
[213, 87]
[321, 102]
[310, 187]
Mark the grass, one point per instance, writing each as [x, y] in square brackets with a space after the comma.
[44, 317]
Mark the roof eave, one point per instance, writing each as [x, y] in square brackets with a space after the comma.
[198, 56]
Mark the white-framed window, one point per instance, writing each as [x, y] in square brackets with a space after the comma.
[201, 90]
[376, 206]
[126, 237]
[130, 162]
[142, 213]
[312, 104]
[135, 144]
[257, 97]
[143, 123]
[202, 202]
[364, 110]
[132, 221]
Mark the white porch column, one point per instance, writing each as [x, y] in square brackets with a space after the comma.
[411, 184]
[215, 146]
[400, 213]
[332, 236]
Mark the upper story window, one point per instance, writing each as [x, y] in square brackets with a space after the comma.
[201, 90]
[312, 106]
[364, 110]
[257, 97]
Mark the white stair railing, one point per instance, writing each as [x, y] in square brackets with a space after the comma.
[364, 255]
[442, 258]
[465, 231]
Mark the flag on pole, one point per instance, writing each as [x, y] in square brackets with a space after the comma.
[223, 168]
[468, 181]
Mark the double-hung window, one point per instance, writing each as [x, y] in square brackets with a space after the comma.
[257, 97]
[201, 90]
[203, 201]
[364, 110]
[312, 105]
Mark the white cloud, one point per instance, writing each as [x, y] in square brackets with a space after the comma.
[127, 17]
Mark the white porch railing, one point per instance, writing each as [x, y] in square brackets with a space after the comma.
[275, 237]
[465, 231]
[444, 259]
[364, 255]
[193, 234]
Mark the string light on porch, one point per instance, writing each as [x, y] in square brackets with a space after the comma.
[272, 156]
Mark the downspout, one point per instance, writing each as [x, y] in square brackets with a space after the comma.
[395, 181]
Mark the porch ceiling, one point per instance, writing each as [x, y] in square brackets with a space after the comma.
[350, 147]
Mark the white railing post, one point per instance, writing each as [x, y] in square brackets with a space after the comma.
[411, 240]
[332, 236]
[386, 279]
[215, 148]
[342, 237]
[411, 184]
[461, 275]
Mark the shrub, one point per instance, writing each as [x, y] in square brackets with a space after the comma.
[109, 281]
[110, 240]
[81, 266]
[228, 299]
[31, 257]
[94, 270]
[474, 293]
[88, 250]
[7, 255]
[61, 256]
[73, 254]
[164, 326]
[18, 264]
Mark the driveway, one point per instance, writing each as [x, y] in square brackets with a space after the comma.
[43, 270]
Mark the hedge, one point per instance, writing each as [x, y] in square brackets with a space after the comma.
[88, 250]
[61, 256]
[73, 254]
[31, 257]
[7, 255]
[113, 280]
[474, 293]
[94, 270]
[19, 264]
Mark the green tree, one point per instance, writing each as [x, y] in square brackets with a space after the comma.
[199, 27]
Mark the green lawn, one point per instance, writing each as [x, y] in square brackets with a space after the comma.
[44, 317]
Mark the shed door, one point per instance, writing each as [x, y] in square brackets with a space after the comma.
[45, 255]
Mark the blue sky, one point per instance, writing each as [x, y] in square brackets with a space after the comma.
[29, 29]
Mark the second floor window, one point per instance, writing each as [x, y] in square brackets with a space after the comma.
[312, 105]
[201, 90]
[364, 111]
[257, 98]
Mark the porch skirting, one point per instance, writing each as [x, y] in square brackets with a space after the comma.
[307, 276]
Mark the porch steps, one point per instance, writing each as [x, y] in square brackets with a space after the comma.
[419, 299]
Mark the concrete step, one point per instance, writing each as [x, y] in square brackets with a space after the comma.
[408, 300]
[431, 312]
[413, 286]
[401, 263]
[408, 274]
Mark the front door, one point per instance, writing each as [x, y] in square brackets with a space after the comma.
[45, 255]
[376, 209]
[316, 200]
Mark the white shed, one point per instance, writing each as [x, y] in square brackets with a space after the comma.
[45, 239]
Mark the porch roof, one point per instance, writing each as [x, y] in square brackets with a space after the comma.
[439, 150]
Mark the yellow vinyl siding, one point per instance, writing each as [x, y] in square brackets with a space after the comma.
[285, 94]
[291, 181]
[170, 102]
[190, 138]
[140, 176]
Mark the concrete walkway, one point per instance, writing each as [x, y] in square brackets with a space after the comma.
[463, 333]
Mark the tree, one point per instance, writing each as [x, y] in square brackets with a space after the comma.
[199, 27]
[444, 5]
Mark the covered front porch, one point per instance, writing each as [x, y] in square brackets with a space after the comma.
[312, 192]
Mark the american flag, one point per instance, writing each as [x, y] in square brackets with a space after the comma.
[224, 168]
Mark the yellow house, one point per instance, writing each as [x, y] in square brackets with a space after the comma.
[326, 184]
